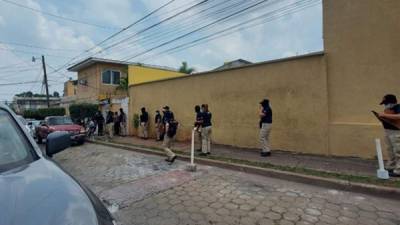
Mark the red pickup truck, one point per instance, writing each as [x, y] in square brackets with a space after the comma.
[60, 123]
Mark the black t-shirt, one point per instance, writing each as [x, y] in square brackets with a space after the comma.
[206, 117]
[268, 115]
[157, 119]
[110, 119]
[396, 110]
[144, 117]
[168, 117]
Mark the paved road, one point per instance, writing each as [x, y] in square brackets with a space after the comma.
[143, 189]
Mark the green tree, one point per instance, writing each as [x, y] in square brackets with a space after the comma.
[185, 69]
[56, 94]
[82, 110]
[123, 84]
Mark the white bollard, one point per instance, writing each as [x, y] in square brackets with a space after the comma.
[381, 172]
[192, 167]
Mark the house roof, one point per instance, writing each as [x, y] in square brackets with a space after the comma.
[234, 63]
[91, 61]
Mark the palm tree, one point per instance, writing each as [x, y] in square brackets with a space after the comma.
[185, 69]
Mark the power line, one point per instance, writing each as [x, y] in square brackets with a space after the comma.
[38, 47]
[57, 16]
[196, 30]
[113, 35]
[152, 26]
[30, 53]
[271, 16]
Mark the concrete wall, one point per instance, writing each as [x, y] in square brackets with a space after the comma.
[296, 87]
[362, 48]
[142, 74]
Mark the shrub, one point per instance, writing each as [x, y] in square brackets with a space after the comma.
[135, 120]
[81, 111]
[40, 114]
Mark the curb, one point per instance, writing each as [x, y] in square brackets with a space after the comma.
[343, 185]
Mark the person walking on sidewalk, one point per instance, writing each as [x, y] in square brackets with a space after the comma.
[110, 124]
[98, 117]
[144, 123]
[197, 127]
[158, 125]
[265, 127]
[206, 117]
[122, 121]
[170, 130]
[391, 122]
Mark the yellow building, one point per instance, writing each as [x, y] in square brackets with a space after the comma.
[140, 73]
[99, 81]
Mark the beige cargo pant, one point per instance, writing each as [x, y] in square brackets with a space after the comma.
[393, 150]
[123, 131]
[198, 139]
[110, 130]
[167, 143]
[264, 137]
[145, 127]
[206, 139]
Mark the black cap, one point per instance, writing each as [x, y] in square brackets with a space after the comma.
[166, 107]
[389, 99]
[264, 102]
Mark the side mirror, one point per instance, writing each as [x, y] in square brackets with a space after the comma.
[56, 142]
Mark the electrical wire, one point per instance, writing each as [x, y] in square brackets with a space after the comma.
[58, 17]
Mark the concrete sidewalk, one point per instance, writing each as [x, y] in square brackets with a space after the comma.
[342, 165]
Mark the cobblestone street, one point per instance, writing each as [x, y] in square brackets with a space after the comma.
[143, 189]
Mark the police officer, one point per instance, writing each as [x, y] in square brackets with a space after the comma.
[168, 118]
[265, 127]
[197, 126]
[391, 123]
[205, 130]
[144, 123]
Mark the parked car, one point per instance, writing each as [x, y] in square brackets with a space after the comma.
[34, 189]
[61, 123]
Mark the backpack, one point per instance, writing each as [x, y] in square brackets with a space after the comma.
[173, 127]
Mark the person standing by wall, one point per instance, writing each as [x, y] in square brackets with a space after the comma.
[170, 131]
[116, 124]
[100, 123]
[206, 117]
[110, 124]
[197, 127]
[265, 127]
[391, 122]
[122, 121]
[158, 125]
[144, 123]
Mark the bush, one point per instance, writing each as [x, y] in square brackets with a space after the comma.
[81, 111]
[135, 120]
[40, 114]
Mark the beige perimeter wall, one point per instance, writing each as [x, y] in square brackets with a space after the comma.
[362, 47]
[296, 87]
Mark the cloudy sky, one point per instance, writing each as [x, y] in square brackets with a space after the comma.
[222, 30]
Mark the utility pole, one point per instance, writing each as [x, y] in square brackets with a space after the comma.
[45, 81]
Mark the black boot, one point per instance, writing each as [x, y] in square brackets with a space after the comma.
[265, 154]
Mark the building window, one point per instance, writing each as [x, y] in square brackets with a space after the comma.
[111, 77]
